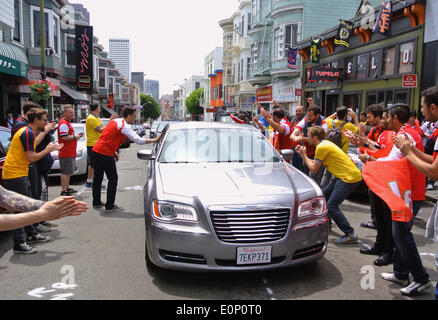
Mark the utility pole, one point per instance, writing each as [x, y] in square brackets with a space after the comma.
[43, 41]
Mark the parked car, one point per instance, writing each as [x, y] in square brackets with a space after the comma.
[225, 119]
[138, 128]
[154, 127]
[81, 154]
[211, 206]
[146, 125]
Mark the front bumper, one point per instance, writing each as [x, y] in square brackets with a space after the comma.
[197, 249]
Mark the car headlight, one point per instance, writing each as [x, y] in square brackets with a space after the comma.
[168, 211]
[313, 207]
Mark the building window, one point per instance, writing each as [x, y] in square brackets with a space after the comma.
[242, 67]
[388, 61]
[70, 50]
[248, 68]
[277, 49]
[254, 53]
[350, 69]
[36, 29]
[111, 85]
[249, 21]
[220, 92]
[291, 35]
[197, 85]
[406, 58]
[17, 20]
[56, 34]
[362, 66]
[102, 78]
[374, 64]
[254, 9]
[242, 27]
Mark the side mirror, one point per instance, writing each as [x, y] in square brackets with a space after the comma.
[287, 154]
[146, 155]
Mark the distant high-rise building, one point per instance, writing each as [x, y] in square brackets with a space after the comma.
[80, 8]
[120, 54]
[152, 88]
[138, 77]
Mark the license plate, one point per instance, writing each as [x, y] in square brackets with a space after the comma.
[254, 255]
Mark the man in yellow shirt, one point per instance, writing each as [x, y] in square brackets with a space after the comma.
[347, 178]
[339, 120]
[94, 128]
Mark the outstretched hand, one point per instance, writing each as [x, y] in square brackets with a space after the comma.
[61, 208]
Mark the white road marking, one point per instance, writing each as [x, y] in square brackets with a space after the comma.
[427, 254]
[136, 188]
[38, 293]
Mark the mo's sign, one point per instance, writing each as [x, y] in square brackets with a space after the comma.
[84, 58]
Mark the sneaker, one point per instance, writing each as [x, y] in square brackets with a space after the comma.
[392, 278]
[114, 209]
[39, 238]
[24, 248]
[43, 229]
[65, 194]
[415, 288]
[89, 185]
[430, 187]
[71, 191]
[100, 206]
[347, 239]
[49, 224]
[368, 225]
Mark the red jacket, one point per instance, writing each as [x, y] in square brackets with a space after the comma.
[111, 138]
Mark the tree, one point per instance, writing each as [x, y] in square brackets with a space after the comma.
[151, 108]
[192, 102]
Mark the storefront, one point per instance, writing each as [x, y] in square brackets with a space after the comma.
[373, 69]
[13, 70]
[287, 94]
[70, 97]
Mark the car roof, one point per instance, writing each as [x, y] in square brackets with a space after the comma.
[208, 125]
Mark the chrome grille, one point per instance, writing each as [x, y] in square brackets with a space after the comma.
[251, 226]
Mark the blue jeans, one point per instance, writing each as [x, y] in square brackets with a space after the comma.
[406, 257]
[335, 193]
[298, 162]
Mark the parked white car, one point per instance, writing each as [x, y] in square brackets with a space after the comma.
[81, 153]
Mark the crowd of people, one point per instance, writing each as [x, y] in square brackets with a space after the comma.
[29, 160]
[334, 150]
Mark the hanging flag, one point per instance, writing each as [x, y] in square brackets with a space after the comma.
[344, 33]
[315, 50]
[391, 180]
[292, 58]
[384, 19]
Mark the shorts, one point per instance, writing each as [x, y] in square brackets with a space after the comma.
[91, 157]
[67, 166]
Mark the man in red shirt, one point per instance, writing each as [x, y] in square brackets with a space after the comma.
[281, 126]
[67, 155]
[105, 149]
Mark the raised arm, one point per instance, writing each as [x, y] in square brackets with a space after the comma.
[14, 202]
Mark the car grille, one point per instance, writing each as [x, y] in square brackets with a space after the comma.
[251, 226]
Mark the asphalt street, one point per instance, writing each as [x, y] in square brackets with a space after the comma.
[100, 256]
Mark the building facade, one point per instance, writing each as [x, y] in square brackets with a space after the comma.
[213, 84]
[280, 24]
[375, 68]
[152, 88]
[120, 53]
[138, 77]
[430, 69]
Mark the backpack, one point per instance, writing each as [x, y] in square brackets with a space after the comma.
[335, 135]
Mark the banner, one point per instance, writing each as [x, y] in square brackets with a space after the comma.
[391, 181]
[292, 58]
[384, 19]
[344, 33]
[84, 58]
[320, 73]
[315, 50]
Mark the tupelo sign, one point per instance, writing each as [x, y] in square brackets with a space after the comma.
[323, 74]
[84, 58]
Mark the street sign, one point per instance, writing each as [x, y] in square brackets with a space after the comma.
[410, 81]
[252, 99]
[298, 92]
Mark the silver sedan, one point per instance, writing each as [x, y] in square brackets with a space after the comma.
[219, 197]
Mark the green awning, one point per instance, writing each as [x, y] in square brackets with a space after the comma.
[13, 61]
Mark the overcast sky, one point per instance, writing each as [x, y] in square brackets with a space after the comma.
[169, 38]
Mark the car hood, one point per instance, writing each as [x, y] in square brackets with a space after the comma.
[231, 180]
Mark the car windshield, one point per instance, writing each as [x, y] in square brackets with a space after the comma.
[5, 140]
[78, 129]
[217, 146]
[226, 120]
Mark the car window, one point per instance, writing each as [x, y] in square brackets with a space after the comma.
[78, 130]
[217, 146]
[5, 140]
[155, 126]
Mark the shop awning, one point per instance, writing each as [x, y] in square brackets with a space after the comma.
[13, 61]
[78, 97]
